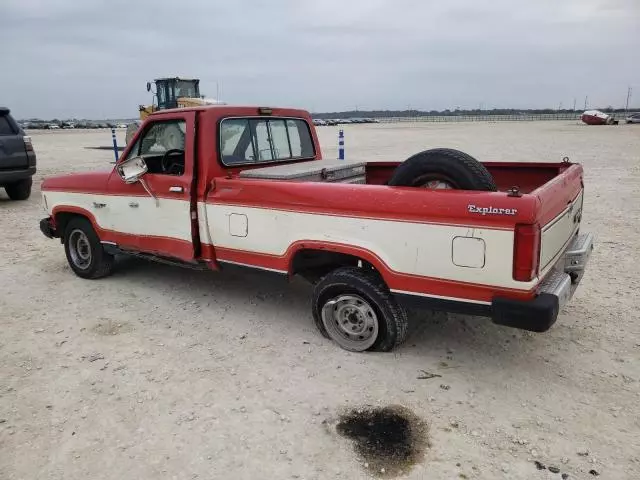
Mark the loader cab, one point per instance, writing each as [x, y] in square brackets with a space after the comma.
[168, 90]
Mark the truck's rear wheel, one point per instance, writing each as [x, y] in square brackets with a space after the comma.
[85, 253]
[19, 190]
[443, 168]
[355, 309]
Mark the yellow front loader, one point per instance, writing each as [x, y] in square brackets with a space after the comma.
[170, 92]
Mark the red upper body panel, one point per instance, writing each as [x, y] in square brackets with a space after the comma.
[547, 187]
[86, 182]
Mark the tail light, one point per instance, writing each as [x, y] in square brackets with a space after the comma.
[526, 252]
[28, 146]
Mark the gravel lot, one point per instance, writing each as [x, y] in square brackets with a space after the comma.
[164, 373]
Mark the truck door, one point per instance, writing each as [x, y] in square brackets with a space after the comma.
[154, 215]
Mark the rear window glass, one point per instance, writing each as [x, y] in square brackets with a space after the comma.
[5, 126]
[264, 140]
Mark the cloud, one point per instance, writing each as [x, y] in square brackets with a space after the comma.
[92, 59]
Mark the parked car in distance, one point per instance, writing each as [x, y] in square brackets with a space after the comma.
[319, 122]
[17, 158]
[633, 118]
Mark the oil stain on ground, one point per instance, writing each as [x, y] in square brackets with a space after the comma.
[389, 440]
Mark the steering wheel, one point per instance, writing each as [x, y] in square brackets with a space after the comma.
[169, 165]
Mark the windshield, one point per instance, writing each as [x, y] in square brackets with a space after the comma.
[187, 89]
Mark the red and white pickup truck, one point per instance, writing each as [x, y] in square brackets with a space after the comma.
[212, 186]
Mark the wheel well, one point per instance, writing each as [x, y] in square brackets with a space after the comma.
[313, 264]
[62, 219]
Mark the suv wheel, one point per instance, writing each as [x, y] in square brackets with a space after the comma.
[19, 190]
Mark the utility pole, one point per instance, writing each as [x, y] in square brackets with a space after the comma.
[626, 108]
[586, 102]
[574, 104]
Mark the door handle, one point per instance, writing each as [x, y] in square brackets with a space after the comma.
[133, 204]
[99, 205]
[176, 189]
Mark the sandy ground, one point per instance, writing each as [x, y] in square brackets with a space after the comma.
[163, 373]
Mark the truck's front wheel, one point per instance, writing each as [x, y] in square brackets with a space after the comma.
[355, 308]
[85, 253]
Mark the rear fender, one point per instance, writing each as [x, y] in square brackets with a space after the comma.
[345, 249]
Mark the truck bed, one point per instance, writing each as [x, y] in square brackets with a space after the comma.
[549, 204]
[526, 176]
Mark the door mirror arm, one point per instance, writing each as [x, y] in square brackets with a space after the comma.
[144, 184]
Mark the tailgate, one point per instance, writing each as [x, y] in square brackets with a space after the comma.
[560, 214]
[12, 153]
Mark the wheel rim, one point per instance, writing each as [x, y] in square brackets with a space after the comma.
[80, 249]
[351, 322]
[437, 185]
[435, 182]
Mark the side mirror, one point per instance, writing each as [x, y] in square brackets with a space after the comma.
[132, 169]
[148, 86]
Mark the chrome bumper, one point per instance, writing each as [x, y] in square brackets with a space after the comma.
[563, 280]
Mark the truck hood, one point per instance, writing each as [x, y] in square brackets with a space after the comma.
[89, 182]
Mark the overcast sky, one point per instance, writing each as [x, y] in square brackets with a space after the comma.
[92, 58]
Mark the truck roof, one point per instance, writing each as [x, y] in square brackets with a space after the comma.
[238, 109]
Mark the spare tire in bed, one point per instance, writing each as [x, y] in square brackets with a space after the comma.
[443, 168]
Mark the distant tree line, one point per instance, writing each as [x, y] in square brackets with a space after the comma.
[456, 112]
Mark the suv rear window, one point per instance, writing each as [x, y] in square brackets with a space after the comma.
[264, 140]
[6, 128]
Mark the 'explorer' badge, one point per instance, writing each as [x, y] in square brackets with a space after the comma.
[491, 210]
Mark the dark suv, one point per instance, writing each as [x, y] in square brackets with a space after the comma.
[17, 158]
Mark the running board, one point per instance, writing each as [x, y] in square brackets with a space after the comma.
[113, 249]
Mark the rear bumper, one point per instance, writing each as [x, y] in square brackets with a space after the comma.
[539, 314]
[10, 176]
[47, 228]
[536, 315]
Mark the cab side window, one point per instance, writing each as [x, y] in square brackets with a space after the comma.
[162, 146]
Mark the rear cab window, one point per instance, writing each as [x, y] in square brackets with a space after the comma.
[246, 141]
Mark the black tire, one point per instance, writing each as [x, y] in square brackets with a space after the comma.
[19, 190]
[458, 169]
[368, 286]
[85, 253]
